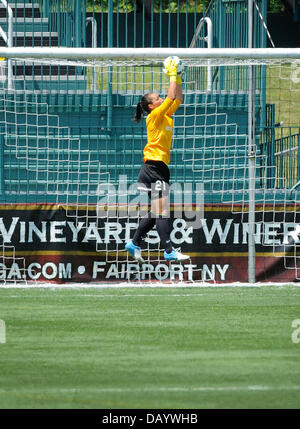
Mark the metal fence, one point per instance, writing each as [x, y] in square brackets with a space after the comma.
[287, 157]
[67, 19]
[131, 23]
[280, 153]
[224, 25]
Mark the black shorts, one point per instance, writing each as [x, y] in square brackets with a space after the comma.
[154, 178]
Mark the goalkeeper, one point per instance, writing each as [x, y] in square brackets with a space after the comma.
[154, 174]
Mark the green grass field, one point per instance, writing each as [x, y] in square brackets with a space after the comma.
[132, 348]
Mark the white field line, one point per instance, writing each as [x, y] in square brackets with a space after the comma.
[150, 295]
[255, 388]
[189, 389]
[125, 285]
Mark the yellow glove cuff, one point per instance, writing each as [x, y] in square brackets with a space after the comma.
[173, 78]
[178, 80]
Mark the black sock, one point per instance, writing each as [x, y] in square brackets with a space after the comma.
[163, 229]
[145, 225]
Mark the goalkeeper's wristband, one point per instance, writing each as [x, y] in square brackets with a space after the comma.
[173, 78]
[178, 80]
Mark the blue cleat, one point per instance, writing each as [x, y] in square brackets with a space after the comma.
[135, 252]
[175, 256]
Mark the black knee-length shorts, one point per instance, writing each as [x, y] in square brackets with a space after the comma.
[154, 179]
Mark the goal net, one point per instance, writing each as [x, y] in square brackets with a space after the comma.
[71, 154]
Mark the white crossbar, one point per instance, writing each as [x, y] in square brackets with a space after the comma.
[146, 53]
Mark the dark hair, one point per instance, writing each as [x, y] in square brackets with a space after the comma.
[143, 107]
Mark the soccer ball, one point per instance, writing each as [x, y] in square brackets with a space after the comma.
[178, 62]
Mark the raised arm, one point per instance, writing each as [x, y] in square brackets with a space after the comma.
[175, 89]
[158, 113]
[178, 97]
[171, 71]
[179, 89]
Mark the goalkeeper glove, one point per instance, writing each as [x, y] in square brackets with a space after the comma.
[171, 71]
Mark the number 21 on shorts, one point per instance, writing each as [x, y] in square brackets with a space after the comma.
[160, 185]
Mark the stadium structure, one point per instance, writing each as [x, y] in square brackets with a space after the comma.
[70, 153]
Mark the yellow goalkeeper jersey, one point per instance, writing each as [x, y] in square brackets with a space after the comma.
[159, 131]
